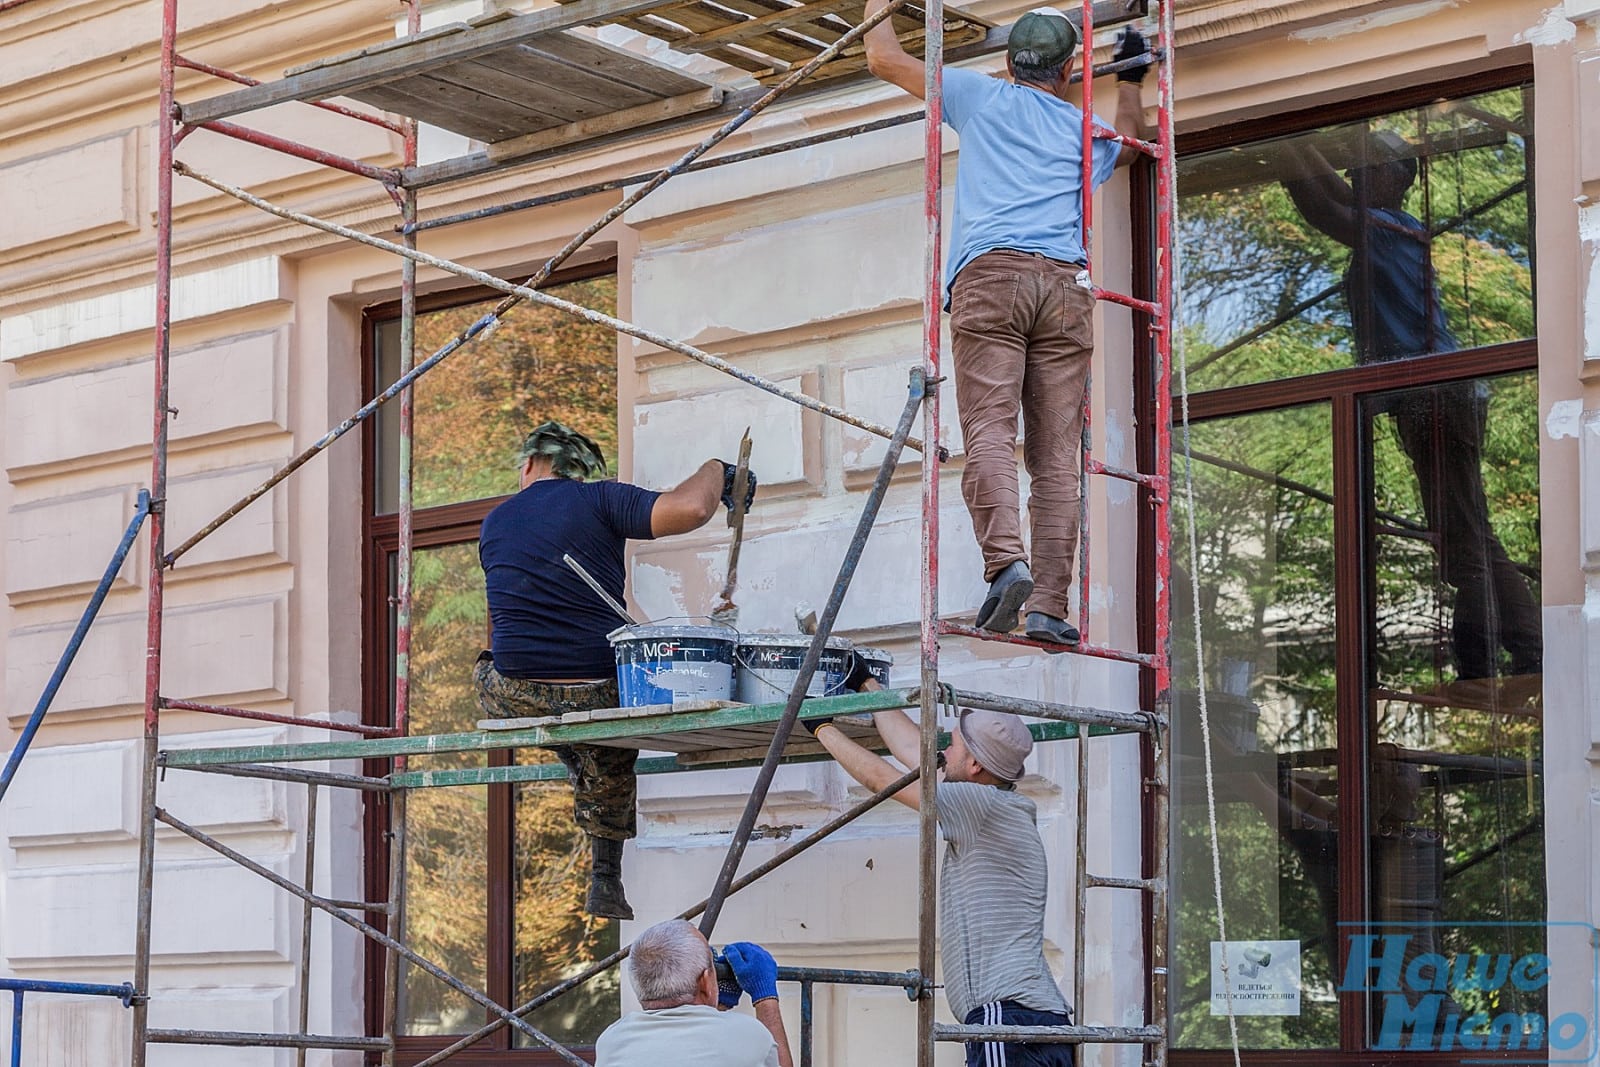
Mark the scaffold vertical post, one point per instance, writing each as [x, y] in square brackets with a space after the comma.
[1160, 738]
[394, 921]
[932, 305]
[1086, 439]
[157, 525]
[306, 912]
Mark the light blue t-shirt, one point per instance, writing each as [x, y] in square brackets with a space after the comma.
[1019, 182]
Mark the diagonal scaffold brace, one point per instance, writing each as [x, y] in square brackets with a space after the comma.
[817, 836]
[485, 324]
[373, 933]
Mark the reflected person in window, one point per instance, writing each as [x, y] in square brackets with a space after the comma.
[1020, 298]
[1396, 312]
[550, 654]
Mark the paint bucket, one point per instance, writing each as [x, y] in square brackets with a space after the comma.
[769, 663]
[673, 664]
[877, 662]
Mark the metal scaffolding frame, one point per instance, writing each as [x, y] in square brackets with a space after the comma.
[930, 696]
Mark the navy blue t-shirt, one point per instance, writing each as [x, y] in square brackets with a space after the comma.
[547, 622]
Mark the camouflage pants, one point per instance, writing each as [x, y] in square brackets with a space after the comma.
[604, 788]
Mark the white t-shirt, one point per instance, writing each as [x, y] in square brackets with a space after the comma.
[692, 1035]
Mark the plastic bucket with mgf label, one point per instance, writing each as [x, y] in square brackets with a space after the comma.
[665, 664]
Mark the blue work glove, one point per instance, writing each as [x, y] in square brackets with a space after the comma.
[728, 991]
[755, 969]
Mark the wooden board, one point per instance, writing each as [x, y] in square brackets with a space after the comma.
[779, 35]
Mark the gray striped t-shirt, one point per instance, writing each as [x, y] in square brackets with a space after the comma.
[992, 892]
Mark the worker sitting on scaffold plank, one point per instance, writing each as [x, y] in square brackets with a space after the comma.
[1020, 298]
[550, 655]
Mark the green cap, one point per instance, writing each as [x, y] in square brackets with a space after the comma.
[571, 454]
[1046, 34]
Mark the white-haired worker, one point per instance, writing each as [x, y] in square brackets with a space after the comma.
[686, 1021]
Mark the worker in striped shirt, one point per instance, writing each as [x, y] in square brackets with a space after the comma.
[993, 881]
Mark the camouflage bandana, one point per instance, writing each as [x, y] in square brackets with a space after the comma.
[571, 454]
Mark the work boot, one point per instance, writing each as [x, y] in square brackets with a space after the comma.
[1042, 627]
[606, 897]
[1010, 588]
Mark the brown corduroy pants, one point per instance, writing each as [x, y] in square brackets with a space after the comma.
[1022, 333]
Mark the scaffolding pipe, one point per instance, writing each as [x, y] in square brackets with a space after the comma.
[285, 720]
[1156, 750]
[244, 1039]
[932, 307]
[244, 79]
[394, 915]
[1143, 659]
[386, 175]
[1141, 721]
[371, 932]
[156, 584]
[813, 656]
[306, 912]
[291, 774]
[74, 643]
[1052, 1035]
[820, 834]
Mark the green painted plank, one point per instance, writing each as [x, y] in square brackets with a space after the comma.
[534, 737]
[555, 772]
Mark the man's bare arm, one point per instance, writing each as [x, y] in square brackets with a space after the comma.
[868, 768]
[1325, 199]
[768, 1014]
[690, 505]
[1130, 120]
[887, 59]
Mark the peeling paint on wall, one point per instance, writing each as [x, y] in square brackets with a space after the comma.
[1591, 313]
[1391, 17]
[1564, 419]
[1554, 28]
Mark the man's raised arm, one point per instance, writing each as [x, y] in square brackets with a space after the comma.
[887, 59]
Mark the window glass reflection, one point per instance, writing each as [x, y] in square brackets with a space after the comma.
[1264, 514]
[1389, 238]
[1455, 533]
[473, 409]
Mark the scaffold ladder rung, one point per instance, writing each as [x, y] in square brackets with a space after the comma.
[1147, 885]
[957, 629]
[1051, 1035]
[247, 1039]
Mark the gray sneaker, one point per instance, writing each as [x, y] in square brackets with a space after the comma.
[1042, 627]
[1007, 593]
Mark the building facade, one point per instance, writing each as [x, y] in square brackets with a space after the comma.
[1394, 754]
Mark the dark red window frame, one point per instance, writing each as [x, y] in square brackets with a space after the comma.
[432, 527]
[1341, 390]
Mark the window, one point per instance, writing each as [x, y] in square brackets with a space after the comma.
[1358, 320]
[495, 874]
